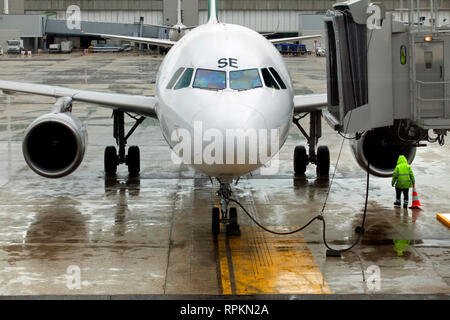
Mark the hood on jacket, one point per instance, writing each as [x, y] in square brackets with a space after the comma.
[401, 159]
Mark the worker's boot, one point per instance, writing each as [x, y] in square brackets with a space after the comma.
[405, 204]
[397, 203]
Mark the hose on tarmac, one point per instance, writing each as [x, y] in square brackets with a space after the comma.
[319, 217]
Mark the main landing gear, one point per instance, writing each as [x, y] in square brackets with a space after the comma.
[114, 158]
[321, 158]
[224, 214]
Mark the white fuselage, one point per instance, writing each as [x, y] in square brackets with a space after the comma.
[261, 108]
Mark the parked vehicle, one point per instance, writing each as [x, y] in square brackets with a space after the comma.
[54, 48]
[320, 52]
[66, 46]
[14, 46]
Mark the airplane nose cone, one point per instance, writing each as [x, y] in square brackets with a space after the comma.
[224, 117]
[231, 137]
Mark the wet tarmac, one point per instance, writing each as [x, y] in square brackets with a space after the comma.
[87, 234]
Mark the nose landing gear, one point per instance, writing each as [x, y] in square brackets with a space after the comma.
[224, 214]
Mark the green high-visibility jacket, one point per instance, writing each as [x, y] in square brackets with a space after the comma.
[403, 177]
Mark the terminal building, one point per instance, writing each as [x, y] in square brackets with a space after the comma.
[37, 22]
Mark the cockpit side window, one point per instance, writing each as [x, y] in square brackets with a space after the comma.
[245, 79]
[269, 81]
[174, 78]
[277, 76]
[210, 79]
[185, 79]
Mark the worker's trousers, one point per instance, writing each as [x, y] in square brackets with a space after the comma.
[405, 195]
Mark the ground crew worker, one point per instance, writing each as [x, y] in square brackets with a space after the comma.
[402, 180]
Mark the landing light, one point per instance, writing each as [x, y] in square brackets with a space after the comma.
[428, 39]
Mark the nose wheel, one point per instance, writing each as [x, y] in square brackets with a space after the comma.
[215, 221]
[233, 228]
[112, 157]
[225, 215]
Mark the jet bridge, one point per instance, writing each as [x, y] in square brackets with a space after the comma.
[387, 81]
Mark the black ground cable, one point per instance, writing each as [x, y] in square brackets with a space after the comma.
[362, 224]
[319, 217]
[271, 231]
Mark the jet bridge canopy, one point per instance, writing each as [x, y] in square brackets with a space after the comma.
[380, 74]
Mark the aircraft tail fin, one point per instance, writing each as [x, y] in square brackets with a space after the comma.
[179, 13]
[212, 11]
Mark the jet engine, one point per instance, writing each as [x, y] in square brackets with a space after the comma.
[54, 144]
[382, 147]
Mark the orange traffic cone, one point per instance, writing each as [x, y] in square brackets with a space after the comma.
[416, 202]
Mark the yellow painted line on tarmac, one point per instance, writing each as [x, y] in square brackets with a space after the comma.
[444, 218]
[262, 263]
[223, 264]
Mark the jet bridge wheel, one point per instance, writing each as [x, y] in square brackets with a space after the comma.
[300, 160]
[323, 161]
[111, 160]
[134, 160]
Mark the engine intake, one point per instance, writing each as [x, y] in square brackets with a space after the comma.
[54, 144]
[382, 147]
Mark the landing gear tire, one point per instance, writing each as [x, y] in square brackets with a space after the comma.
[110, 160]
[134, 160]
[215, 228]
[233, 229]
[323, 161]
[300, 160]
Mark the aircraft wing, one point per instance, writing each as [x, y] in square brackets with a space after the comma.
[153, 41]
[310, 102]
[292, 39]
[171, 27]
[142, 105]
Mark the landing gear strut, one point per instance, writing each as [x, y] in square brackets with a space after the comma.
[321, 158]
[114, 158]
[224, 214]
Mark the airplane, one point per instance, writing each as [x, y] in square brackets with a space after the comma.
[178, 30]
[219, 76]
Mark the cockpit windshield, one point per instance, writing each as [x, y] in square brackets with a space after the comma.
[185, 79]
[240, 80]
[245, 79]
[210, 79]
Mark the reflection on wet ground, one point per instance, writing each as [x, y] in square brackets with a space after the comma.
[151, 234]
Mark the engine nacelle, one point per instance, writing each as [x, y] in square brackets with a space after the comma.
[54, 144]
[382, 147]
